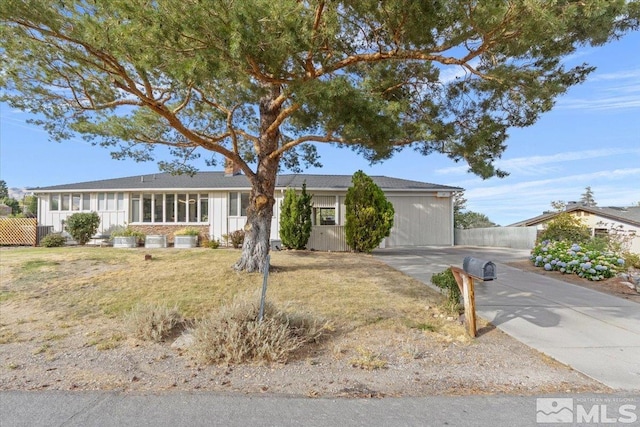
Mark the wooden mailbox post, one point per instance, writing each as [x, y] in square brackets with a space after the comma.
[465, 284]
[472, 268]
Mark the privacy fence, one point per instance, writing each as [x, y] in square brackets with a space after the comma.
[504, 237]
[21, 232]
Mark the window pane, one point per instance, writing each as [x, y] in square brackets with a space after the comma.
[111, 201]
[204, 207]
[146, 208]
[66, 199]
[233, 204]
[192, 207]
[244, 203]
[159, 208]
[182, 207]
[55, 202]
[75, 202]
[86, 202]
[135, 210]
[120, 201]
[326, 216]
[102, 202]
[169, 203]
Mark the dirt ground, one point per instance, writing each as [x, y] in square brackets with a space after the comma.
[40, 350]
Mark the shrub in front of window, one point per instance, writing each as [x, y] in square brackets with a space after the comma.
[53, 240]
[82, 226]
[295, 218]
[369, 215]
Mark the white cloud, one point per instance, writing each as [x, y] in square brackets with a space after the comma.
[618, 75]
[608, 91]
[511, 202]
[533, 164]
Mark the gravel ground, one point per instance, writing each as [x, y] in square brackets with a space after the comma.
[39, 350]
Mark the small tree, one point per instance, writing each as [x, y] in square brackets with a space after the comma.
[566, 227]
[295, 218]
[587, 198]
[13, 204]
[472, 219]
[4, 191]
[368, 212]
[31, 205]
[82, 226]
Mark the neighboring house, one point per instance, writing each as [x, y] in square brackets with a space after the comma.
[216, 202]
[5, 210]
[622, 222]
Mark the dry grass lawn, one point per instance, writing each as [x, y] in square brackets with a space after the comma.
[63, 312]
[350, 290]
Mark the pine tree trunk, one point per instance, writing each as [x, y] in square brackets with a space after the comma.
[257, 237]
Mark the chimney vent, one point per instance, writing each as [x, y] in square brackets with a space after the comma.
[231, 168]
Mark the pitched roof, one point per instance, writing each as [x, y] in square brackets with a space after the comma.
[630, 215]
[218, 180]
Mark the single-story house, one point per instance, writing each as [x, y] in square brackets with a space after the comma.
[216, 203]
[623, 222]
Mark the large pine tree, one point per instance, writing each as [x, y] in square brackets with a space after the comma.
[259, 81]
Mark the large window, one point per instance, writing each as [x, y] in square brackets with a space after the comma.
[70, 202]
[110, 201]
[325, 216]
[169, 207]
[238, 204]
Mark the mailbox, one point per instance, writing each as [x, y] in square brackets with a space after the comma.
[480, 269]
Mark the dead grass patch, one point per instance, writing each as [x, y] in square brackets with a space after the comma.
[79, 286]
[153, 322]
[234, 333]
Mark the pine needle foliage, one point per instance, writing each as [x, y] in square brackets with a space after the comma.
[295, 218]
[369, 215]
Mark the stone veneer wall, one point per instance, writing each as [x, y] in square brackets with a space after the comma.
[168, 230]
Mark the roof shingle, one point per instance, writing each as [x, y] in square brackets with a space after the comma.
[219, 181]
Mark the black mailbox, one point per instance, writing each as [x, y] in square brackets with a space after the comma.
[480, 269]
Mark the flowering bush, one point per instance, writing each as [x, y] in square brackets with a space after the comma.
[571, 258]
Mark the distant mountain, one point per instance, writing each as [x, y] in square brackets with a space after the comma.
[18, 193]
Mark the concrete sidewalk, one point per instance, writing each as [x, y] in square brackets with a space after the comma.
[594, 333]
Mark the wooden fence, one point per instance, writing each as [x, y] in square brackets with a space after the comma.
[18, 232]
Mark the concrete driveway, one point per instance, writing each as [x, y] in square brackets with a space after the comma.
[594, 333]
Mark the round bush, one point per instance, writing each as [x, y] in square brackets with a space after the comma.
[53, 240]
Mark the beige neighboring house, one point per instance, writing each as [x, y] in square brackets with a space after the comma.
[602, 221]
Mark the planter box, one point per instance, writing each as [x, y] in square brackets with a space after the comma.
[155, 241]
[125, 242]
[185, 242]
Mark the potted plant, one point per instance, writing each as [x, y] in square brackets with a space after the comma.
[186, 238]
[126, 237]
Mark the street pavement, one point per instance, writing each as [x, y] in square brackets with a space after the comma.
[86, 409]
[595, 333]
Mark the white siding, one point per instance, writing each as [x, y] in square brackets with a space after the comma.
[328, 238]
[421, 220]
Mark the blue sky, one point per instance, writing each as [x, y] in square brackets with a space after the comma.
[591, 138]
